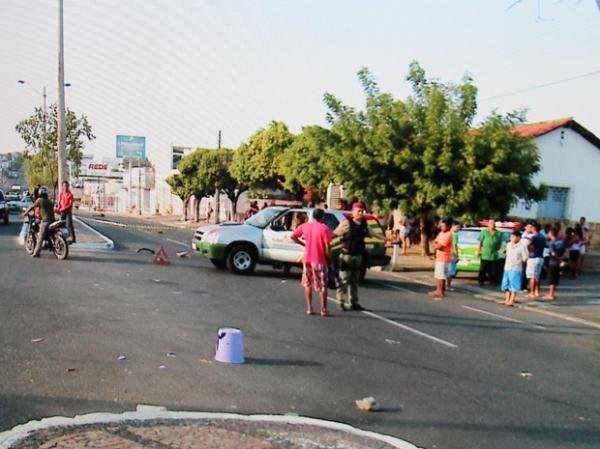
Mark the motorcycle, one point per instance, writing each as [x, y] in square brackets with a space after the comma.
[56, 237]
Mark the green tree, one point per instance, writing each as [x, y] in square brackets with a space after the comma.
[367, 157]
[306, 163]
[257, 163]
[423, 155]
[215, 172]
[183, 189]
[499, 168]
[39, 132]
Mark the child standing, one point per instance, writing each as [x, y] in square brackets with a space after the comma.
[516, 255]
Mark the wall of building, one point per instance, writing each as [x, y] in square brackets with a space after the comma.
[568, 160]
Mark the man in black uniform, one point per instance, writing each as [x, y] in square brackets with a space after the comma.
[352, 232]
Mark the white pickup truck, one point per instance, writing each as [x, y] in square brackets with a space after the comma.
[266, 238]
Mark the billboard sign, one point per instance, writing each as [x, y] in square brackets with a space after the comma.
[131, 147]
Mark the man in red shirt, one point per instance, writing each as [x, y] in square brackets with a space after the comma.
[317, 252]
[65, 208]
[443, 257]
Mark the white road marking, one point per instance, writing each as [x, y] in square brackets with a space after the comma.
[405, 327]
[395, 287]
[410, 329]
[179, 242]
[502, 317]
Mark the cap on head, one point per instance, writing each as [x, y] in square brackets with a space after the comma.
[358, 205]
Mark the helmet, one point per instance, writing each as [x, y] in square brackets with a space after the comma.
[43, 190]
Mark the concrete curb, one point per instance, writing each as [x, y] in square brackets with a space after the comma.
[108, 244]
[17, 434]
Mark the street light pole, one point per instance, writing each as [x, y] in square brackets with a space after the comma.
[61, 99]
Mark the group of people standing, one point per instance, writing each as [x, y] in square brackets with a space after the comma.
[318, 263]
[528, 255]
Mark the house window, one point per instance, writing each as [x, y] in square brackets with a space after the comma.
[555, 204]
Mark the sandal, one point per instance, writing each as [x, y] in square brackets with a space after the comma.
[325, 313]
[310, 312]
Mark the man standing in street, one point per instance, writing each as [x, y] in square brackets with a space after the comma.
[352, 232]
[443, 258]
[317, 253]
[535, 261]
[65, 208]
[490, 242]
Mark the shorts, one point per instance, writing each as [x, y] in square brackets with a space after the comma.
[553, 274]
[574, 256]
[405, 232]
[442, 270]
[534, 268]
[314, 275]
[453, 267]
[511, 281]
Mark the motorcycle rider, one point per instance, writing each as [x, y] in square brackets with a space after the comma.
[46, 209]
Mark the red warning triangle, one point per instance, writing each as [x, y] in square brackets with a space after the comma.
[161, 257]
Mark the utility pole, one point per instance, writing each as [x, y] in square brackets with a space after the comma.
[217, 193]
[61, 99]
[139, 187]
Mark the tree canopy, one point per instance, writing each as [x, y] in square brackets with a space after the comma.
[39, 132]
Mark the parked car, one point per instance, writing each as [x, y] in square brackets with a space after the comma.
[468, 241]
[4, 212]
[13, 202]
[265, 238]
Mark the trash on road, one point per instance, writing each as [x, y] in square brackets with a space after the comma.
[171, 354]
[37, 340]
[121, 357]
[367, 404]
[393, 342]
[162, 367]
[151, 251]
[157, 280]
[150, 408]
[71, 370]
[182, 253]
[525, 374]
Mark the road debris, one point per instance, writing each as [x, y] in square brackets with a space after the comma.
[150, 408]
[171, 354]
[525, 374]
[162, 367]
[71, 370]
[182, 254]
[37, 340]
[121, 357]
[151, 251]
[393, 342]
[367, 404]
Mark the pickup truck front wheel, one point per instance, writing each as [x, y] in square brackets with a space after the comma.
[241, 259]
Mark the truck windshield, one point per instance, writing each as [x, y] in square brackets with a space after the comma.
[264, 217]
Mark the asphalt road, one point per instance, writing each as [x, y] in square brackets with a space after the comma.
[457, 374]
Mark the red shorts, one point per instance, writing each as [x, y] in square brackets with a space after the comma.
[314, 275]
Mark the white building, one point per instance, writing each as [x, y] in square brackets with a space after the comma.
[570, 169]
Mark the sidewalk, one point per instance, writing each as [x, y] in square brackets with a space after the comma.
[188, 430]
[168, 221]
[578, 300]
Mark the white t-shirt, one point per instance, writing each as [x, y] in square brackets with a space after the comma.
[515, 256]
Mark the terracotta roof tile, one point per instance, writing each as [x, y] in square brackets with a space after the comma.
[541, 128]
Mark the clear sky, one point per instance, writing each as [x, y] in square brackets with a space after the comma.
[177, 71]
